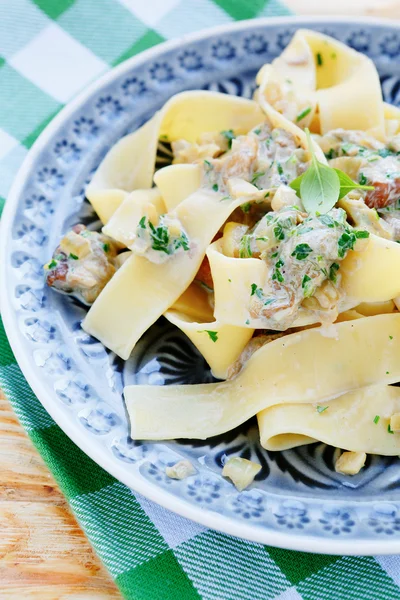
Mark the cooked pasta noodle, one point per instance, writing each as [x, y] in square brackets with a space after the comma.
[271, 242]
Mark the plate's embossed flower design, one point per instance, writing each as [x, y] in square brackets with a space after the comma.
[292, 515]
[162, 72]
[359, 40]
[249, 504]
[385, 519]
[50, 178]
[223, 50]
[390, 45]
[133, 87]
[68, 152]
[190, 60]
[255, 44]
[85, 128]
[337, 521]
[86, 381]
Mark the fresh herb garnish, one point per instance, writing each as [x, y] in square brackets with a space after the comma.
[346, 242]
[376, 419]
[142, 223]
[245, 247]
[302, 115]
[228, 135]
[246, 207]
[302, 251]
[348, 185]
[215, 187]
[362, 179]
[321, 186]
[279, 232]
[320, 62]
[52, 264]
[277, 275]
[390, 430]
[256, 177]
[360, 235]
[390, 337]
[208, 165]
[213, 335]
[255, 290]
[321, 409]
[106, 247]
[279, 168]
[333, 269]
[331, 154]
[73, 256]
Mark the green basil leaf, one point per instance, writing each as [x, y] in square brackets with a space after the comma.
[295, 184]
[319, 188]
[348, 185]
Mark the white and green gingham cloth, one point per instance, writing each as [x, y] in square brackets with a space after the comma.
[49, 50]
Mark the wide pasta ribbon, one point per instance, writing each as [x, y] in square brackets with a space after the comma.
[367, 276]
[323, 84]
[357, 421]
[355, 354]
[130, 163]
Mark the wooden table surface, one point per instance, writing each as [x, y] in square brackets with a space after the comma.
[44, 554]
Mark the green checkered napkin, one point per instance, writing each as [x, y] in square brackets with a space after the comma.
[151, 553]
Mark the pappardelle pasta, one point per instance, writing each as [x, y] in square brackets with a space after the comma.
[271, 241]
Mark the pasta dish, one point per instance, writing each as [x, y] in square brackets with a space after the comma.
[271, 239]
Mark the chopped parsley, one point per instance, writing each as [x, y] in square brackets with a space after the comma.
[257, 291]
[320, 62]
[106, 247]
[328, 221]
[246, 207]
[277, 275]
[390, 337]
[256, 177]
[245, 247]
[306, 285]
[362, 179]
[160, 237]
[303, 114]
[213, 335]
[384, 152]
[331, 154]
[302, 251]
[321, 409]
[346, 242]
[215, 187]
[142, 223]
[279, 232]
[280, 169]
[230, 280]
[52, 264]
[376, 419]
[362, 234]
[390, 430]
[73, 256]
[247, 322]
[229, 136]
[208, 165]
[334, 268]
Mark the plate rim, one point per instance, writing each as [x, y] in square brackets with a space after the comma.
[207, 518]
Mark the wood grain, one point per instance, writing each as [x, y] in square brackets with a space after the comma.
[44, 554]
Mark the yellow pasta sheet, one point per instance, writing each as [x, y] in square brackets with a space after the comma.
[356, 354]
[221, 345]
[367, 276]
[123, 223]
[340, 86]
[128, 167]
[348, 422]
[141, 291]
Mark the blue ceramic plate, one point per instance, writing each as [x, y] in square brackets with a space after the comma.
[297, 500]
